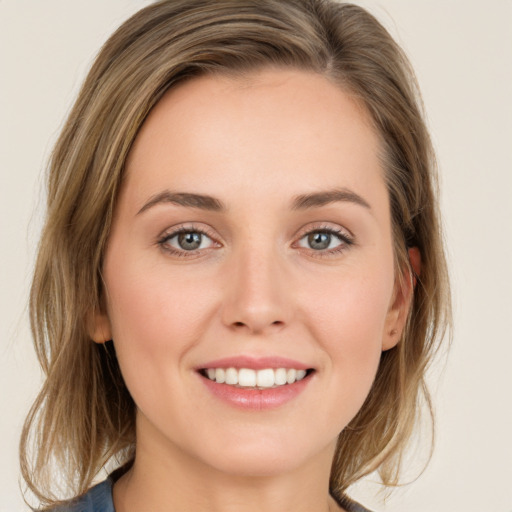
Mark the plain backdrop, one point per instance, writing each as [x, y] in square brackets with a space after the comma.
[462, 53]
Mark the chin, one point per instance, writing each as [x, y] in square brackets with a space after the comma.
[266, 457]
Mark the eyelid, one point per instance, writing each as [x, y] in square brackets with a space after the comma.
[173, 231]
[325, 226]
[345, 236]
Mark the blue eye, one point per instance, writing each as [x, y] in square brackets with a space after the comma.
[186, 240]
[324, 240]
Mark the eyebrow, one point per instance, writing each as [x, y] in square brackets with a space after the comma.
[322, 198]
[186, 199]
[209, 203]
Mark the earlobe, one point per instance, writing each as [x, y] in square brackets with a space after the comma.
[394, 328]
[402, 300]
[99, 327]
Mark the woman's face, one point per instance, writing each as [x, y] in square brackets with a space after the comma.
[252, 238]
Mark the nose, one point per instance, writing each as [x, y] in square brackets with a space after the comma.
[256, 299]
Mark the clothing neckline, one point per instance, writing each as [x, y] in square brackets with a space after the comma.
[100, 498]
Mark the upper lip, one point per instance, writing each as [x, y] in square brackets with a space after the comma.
[255, 363]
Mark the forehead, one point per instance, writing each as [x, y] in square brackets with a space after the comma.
[292, 128]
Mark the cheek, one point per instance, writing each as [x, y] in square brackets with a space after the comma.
[155, 317]
[348, 318]
[150, 304]
[351, 309]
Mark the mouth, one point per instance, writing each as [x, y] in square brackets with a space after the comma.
[256, 383]
[248, 378]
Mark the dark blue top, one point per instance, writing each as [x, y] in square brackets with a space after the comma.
[96, 499]
[99, 499]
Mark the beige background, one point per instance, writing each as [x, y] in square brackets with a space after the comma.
[462, 51]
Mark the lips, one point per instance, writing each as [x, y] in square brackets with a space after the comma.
[256, 383]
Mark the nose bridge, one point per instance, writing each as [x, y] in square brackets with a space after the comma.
[256, 298]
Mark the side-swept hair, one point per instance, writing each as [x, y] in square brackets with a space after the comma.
[84, 415]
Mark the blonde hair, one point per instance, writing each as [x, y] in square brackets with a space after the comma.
[84, 415]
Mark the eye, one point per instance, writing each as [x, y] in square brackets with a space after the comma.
[185, 240]
[325, 240]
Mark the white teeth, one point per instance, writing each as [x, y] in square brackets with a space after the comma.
[291, 374]
[280, 376]
[231, 376]
[300, 374]
[220, 375]
[248, 378]
[265, 378]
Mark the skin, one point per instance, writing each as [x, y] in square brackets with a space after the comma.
[256, 287]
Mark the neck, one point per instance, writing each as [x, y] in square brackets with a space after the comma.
[167, 480]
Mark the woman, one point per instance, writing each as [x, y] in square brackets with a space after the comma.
[241, 279]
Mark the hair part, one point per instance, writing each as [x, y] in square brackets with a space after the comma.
[84, 415]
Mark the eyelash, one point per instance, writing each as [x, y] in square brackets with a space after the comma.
[345, 239]
[164, 239]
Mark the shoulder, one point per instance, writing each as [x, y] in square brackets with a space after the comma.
[96, 499]
[356, 507]
[351, 505]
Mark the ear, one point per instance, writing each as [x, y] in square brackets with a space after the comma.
[402, 300]
[99, 327]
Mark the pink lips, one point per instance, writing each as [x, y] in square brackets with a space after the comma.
[256, 363]
[255, 399]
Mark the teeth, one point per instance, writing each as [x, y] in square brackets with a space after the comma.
[247, 378]
[220, 375]
[265, 378]
[280, 376]
[231, 376]
[300, 374]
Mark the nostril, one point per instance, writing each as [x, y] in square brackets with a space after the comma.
[257, 326]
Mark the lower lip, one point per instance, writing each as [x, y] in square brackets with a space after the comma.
[256, 399]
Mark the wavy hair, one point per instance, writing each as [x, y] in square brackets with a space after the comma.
[84, 415]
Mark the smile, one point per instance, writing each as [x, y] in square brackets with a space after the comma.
[258, 379]
[256, 383]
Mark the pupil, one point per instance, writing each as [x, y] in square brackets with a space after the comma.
[319, 241]
[189, 241]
